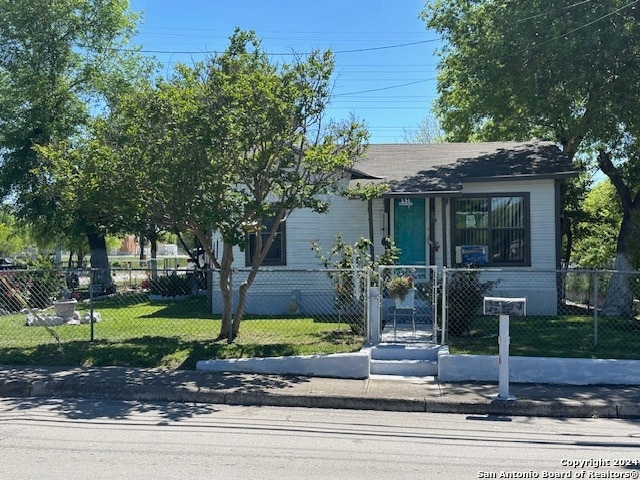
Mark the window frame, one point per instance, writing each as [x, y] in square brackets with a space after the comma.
[491, 228]
[269, 260]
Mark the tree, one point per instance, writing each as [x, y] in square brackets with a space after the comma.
[60, 61]
[596, 245]
[14, 238]
[519, 69]
[284, 156]
[167, 145]
[90, 201]
[427, 131]
[234, 142]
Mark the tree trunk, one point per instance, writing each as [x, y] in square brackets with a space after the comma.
[619, 297]
[142, 244]
[226, 328]
[100, 261]
[567, 229]
[260, 252]
[153, 241]
[242, 300]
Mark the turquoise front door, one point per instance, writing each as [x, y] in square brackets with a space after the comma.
[409, 230]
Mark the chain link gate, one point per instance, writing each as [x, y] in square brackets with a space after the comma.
[409, 298]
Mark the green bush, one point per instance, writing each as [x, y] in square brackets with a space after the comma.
[171, 285]
[465, 294]
[37, 288]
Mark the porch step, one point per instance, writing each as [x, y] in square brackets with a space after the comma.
[405, 368]
[417, 359]
[405, 351]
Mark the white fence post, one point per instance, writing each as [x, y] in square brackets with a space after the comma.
[374, 315]
[443, 317]
[504, 360]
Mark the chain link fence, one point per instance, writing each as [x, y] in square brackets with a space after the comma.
[570, 313]
[314, 307]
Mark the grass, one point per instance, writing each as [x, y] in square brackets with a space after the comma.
[168, 335]
[569, 336]
[136, 333]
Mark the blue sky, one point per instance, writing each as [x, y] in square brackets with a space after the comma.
[385, 64]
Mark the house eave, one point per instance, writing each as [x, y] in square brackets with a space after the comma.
[521, 177]
[430, 193]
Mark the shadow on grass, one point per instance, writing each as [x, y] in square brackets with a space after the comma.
[187, 309]
[142, 352]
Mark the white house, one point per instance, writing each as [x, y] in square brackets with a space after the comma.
[491, 204]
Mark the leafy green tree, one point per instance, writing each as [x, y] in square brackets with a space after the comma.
[284, 156]
[522, 69]
[14, 238]
[234, 142]
[167, 148]
[596, 247]
[60, 62]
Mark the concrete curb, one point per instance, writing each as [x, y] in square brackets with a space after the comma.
[119, 390]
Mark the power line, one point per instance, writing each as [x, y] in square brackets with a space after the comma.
[587, 24]
[385, 88]
[337, 52]
[552, 12]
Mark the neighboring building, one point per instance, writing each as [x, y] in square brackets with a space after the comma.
[129, 245]
[451, 204]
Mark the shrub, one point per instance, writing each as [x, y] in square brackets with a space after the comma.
[171, 285]
[37, 288]
[346, 263]
[465, 294]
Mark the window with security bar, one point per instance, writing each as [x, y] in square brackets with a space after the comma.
[491, 230]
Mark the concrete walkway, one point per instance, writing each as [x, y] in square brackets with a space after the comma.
[414, 394]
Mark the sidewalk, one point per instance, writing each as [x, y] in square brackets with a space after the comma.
[376, 393]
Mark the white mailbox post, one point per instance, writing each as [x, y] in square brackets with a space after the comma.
[504, 307]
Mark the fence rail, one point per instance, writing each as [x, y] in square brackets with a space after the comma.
[570, 313]
[574, 313]
[303, 307]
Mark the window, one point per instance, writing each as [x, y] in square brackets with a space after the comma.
[491, 230]
[277, 252]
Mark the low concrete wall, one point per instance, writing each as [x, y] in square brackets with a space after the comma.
[339, 365]
[451, 368]
[568, 371]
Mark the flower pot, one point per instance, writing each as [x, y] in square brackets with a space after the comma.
[406, 302]
[65, 308]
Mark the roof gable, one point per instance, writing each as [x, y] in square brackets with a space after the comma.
[420, 168]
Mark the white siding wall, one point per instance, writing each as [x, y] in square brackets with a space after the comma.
[350, 217]
[306, 292]
[303, 227]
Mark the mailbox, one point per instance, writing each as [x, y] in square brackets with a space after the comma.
[505, 306]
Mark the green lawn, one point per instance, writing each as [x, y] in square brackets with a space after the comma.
[137, 333]
[567, 336]
[171, 335]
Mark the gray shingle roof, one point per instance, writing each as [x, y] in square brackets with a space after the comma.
[420, 168]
